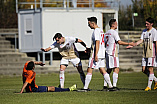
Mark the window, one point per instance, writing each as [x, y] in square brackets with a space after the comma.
[28, 26]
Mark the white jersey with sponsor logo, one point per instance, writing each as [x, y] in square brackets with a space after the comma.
[67, 49]
[111, 39]
[149, 38]
[98, 34]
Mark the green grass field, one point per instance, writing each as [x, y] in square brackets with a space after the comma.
[132, 87]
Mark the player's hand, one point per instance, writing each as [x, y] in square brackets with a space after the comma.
[43, 49]
[128, 47]
[88, 50]
[41, 64]
[96, 58]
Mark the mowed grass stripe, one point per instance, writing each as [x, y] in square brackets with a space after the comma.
[132, 87]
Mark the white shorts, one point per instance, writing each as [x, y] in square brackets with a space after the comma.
[75, 62]
[155, 62]
[96, 65]
[112, 62]
[148, 61]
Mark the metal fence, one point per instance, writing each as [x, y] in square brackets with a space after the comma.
[66, 4]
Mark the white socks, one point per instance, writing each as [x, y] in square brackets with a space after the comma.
[62, 78]
[87, 80]
[115, 79]
[150, 79]
[107, 79]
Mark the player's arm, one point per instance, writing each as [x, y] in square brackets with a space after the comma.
[135, 44]
[47, 49]
[139, 42]
[23, 87]
[125, 43]
[83, 43]
[96, 50]
[39, 63]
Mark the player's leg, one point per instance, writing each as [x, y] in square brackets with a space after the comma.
[106, 76]
[61, 75]
[115, 77]
[109, 70]
[82, 75]
[105, 83]
[151, 74]
[108, 66]
[63, 65]
[88, 78]
[77, 63]
[145, 69]
[150, 79]
[56, 89]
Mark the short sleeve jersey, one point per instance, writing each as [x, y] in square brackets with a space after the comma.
[29, 76]
[149, 38]
[111, 40]
[67, 49]
[98, 34]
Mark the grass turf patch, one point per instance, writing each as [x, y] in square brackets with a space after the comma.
[131, 86]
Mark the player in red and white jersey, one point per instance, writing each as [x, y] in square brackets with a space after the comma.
[149, 40]
[112, 41]
[97, 57]
[69, 53]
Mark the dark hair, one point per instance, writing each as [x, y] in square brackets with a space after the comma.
[57, 35]
[150, 20]
[30, 65]
[92, 19]
[112, 22]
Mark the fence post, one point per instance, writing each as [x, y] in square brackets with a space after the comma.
[15, 43]
[41, 4]
[93, 5]
[68, 5]
[16, 6]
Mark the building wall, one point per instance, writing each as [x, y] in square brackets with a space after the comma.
[69, 24]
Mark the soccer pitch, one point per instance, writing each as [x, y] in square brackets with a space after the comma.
[131, 86]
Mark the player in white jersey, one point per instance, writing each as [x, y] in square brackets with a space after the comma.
[69, 53]
[112, 40]
[97, 57]
[149, 40]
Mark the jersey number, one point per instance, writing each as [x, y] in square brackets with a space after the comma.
[102, 42]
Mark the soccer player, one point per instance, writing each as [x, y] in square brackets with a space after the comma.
[69, 53]
[112, 40]
[29, 80]
[149, 40]
[97, 57]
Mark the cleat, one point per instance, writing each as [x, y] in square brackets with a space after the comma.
[155, 86]
[59, 86]
[111, 89]
[105, 88]
[147, 89]
[74, 87]
[116, 88]
[84, 90]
